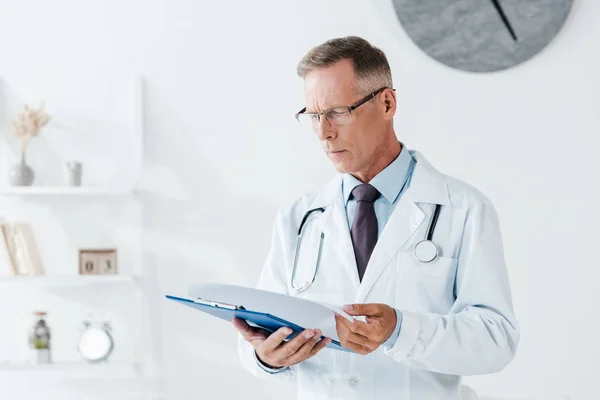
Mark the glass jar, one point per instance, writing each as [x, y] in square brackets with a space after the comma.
[39, 339]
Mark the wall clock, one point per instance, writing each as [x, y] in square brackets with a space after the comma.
[482, 35]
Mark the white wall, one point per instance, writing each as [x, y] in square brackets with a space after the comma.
[223, 153]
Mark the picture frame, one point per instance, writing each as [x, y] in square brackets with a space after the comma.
[98, 262]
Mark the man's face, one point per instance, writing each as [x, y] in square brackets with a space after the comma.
[355, 146]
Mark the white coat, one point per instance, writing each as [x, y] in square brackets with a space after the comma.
[458, 316]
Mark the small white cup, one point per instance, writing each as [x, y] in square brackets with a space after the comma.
[73, 173]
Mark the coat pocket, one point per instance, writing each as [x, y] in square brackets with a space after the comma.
[444, 267]
[425, 287]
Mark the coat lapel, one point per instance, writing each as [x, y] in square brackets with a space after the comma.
[427, 186]
[334, 225]
[403, 222]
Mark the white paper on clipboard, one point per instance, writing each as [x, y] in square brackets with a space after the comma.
[339, 310]
[305, 313]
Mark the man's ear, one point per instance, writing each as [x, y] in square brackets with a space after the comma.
[389, 101]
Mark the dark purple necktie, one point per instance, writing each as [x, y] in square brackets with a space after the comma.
[364, 226]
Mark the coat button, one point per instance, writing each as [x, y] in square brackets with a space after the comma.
[353, 381]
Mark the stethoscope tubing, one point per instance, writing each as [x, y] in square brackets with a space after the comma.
[307, 284]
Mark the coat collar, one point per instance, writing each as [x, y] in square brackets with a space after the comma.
[389, 182]
[428, 185]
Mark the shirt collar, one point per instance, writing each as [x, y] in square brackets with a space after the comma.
[389, 182]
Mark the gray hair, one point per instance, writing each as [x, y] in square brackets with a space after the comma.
[371, 67]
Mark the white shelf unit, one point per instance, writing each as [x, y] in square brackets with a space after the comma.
[102, 140]
[69, 280]
[107, 370]
[65, 191]
[48, 196]
[76, 380]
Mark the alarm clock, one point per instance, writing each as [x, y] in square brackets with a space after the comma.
[95, 343]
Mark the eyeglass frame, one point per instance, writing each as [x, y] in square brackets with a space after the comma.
[349, 108]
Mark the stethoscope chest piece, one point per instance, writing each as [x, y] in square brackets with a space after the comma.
[425, 251]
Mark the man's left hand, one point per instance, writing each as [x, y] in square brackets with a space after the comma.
[365, 337]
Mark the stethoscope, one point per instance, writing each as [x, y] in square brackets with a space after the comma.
[306, 284]
[425, 251]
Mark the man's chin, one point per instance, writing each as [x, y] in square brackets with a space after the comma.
[341, 167]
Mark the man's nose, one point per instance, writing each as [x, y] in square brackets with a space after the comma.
[325, 129]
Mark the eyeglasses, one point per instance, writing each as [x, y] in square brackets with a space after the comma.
[337, 115]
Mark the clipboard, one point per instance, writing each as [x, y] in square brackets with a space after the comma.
[266, 321]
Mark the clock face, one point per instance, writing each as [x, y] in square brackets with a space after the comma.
[482, 35]
[95, 344]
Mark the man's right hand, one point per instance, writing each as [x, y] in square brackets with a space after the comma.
[274, 352]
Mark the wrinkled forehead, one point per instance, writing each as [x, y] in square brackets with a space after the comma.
[334, 86]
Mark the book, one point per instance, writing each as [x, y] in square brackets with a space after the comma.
[21, 247]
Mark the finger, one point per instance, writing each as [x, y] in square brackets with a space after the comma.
[320, 346]
[362, 341]
[341, 328]
[359, 327]
[303, 351]
[344, 333]
[369, 310]
[342, 322]
[293, 345]
[275, 339]
[345, 323]
[249, 333]
[360, 344]
[355, 348]
[371, 335]
[241, 325]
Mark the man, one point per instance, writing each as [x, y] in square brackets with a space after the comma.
[431, 314]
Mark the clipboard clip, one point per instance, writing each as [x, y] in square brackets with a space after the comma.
[218, 304]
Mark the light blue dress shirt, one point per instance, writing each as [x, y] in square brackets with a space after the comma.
[391, 182]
